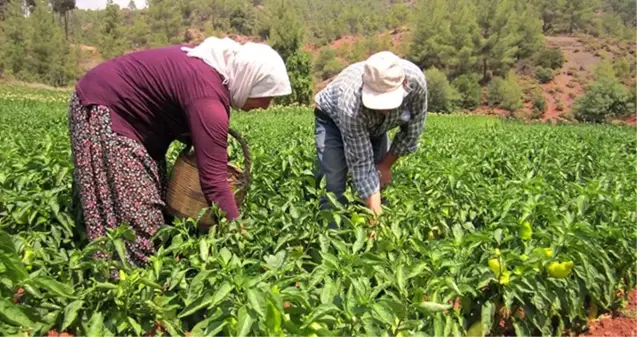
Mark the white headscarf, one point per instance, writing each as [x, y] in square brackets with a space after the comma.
[249, 70]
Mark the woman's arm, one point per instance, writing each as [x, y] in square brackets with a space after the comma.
[208, 123]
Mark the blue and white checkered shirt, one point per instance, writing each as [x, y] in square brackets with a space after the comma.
[341, 100]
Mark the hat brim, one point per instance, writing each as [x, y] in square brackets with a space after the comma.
[382, 101]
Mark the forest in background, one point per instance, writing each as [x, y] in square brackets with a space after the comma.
[466, 47]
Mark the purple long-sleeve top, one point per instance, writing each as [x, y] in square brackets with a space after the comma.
[159, 94]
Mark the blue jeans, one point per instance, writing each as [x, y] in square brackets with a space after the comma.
[331, 156]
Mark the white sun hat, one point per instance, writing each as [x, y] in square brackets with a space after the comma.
[383, 79]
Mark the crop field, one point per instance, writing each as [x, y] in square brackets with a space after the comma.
[492, 227]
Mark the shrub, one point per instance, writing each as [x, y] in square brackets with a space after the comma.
[505, 93]
[605, 98]
[544, 75]
[622, 68]
[469, 90]
[633, 98]
[550, 58]
[570, 84]
[442, 97]
[539, 105]
[299, 68]
[324, 56]
[332, 68]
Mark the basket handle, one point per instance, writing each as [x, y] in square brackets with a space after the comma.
[244, 148]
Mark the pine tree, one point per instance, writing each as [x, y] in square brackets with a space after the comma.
[15, 42]
[498, 24]
[111, 44]
[132, 6]
[430, 45]
[62, 9]
[49, 52]
[577, 14]
[286, 37]
[165, 22]
[530, 30]
[550, 13]
[465, 39]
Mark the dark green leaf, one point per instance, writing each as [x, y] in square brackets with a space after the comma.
[70, 313]
[13, 314]
[54, 287]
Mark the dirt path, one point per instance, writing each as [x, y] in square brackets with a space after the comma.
[577, 70]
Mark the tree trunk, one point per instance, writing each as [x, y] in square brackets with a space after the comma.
[66, 25]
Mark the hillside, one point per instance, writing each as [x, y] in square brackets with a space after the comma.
[475, 50]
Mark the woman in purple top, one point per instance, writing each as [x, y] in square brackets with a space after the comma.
[125, 113]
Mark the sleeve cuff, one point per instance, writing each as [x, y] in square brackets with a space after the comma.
[368, 186]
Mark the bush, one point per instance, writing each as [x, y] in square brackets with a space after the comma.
[505, 93]
[544, 75]
[442, 97]
[539, 105]
[299, 68]
[604, 99]
[324, 56]
[633, 99]
[622, 68]
[332, 68]
[469, 90]
[550, 58]
[327, 63]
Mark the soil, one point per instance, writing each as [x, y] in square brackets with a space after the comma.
[622, 323]
[579, 63]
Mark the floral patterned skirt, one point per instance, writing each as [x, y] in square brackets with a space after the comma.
[115, 180]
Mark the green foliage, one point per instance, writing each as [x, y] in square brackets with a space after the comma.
[622, 67]
[332, 68]
[442, 97]
[286, 37]
[499, 22]
[14, 49]
[165, 22]
[531, 38]
[496, 190]
[299, 68]
[539, 105]
[111, 44]
[285, 29]
[605, 98]
[468, 87]
[550, 58]
[578, 14]
[456, 36]
[506, 93]
[544, 75]
[633, 98]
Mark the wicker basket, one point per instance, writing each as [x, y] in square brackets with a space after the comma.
[185, 198]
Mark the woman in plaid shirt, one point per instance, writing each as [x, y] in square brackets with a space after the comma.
[352, 117]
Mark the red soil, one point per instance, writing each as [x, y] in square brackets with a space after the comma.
[623, 323]
[561, 91]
